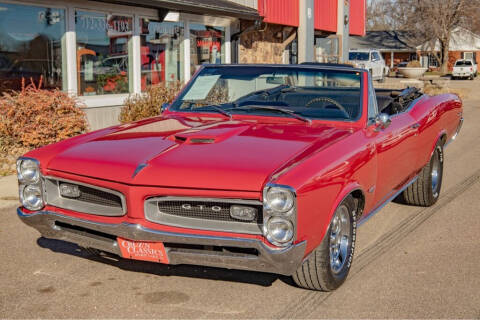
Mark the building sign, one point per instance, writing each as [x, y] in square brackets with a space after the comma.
[116, 26]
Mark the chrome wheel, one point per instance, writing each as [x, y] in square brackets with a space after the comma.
[435, 172]
[340, 239]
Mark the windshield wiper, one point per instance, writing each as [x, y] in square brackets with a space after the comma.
[282, 110]
[212, 106]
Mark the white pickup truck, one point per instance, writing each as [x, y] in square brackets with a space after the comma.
[464, 68]
[371, 60]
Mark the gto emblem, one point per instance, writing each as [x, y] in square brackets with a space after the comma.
[201, 207]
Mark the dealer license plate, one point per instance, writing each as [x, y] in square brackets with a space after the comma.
[142, 250]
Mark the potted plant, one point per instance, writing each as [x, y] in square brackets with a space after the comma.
[413, 70]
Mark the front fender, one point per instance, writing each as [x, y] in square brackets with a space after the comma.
[348, 189]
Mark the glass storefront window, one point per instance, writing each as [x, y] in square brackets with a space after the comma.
[30, 46]
[207, 45]
[161, 49]
[103, 42]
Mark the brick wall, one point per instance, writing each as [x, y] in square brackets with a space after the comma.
[455, 55]
[397, 58]
[452, 57]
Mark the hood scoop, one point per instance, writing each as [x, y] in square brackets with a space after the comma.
[201, 140]
[208, 134]
[193, 140]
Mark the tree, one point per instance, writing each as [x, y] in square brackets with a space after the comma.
[387, 15]
[430, 21]
[435, 20]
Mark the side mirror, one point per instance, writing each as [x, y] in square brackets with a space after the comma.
[382, 121]
[164, 107]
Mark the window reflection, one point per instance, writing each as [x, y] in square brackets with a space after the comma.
[207, 45]
[161, 52]
[30, 46]
[102, 53]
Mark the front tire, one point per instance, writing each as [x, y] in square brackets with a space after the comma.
[425, 191]
[327, 267]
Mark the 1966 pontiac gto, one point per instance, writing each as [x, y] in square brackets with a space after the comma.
[256, 167]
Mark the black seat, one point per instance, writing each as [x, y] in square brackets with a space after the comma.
[383, 103]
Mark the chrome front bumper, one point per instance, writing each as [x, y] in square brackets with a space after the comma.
[102, 236]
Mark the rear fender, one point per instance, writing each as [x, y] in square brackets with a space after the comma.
[442, 136]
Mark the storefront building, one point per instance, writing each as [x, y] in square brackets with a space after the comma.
[103, 51]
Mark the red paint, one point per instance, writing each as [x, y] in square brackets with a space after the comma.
[285, 12]
[323, 161]
[326, 15]
[358, 14]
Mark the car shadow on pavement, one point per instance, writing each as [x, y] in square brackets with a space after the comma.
[250, 277]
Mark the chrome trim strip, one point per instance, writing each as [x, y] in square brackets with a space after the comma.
[364, 218]
[459, 127]
[152, 214]
[455, 135]
[54, 198]
[283, 261]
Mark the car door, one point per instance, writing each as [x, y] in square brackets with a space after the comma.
[395, 148]
[396, 157]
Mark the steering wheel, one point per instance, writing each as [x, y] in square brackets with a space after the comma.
[331, 102]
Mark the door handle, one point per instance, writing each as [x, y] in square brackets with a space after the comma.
[415, 126]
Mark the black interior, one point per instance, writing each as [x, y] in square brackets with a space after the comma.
[297, 99]
[396, 101]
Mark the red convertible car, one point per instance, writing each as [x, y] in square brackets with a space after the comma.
[257, 167]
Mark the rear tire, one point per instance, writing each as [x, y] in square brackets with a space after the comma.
[327, 267]
[425, 191]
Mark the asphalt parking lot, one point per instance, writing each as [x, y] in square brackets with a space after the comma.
[410, 263]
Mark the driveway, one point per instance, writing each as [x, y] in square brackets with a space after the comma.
[410, 262]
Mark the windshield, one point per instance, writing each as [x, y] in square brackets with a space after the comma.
[300, 93]
[463, 63]
[359, 56]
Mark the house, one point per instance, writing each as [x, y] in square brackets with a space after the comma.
[403, 46]
[464, 44]
[395, 46]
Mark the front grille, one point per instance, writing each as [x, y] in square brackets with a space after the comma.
[99, 197]
[203, 210]
[92, 199]
[203, 213]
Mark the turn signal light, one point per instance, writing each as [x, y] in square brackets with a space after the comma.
[69, 190]
[243, 213]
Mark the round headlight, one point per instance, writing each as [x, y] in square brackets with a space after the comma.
[31, 197]
[279, 231]
[28, 171]
[280, 199]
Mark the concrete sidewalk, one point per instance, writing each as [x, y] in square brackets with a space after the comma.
[8, 191]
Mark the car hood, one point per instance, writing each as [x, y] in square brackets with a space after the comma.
[177, 152]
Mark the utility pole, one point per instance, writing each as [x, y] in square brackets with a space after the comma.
[343, 32]
[306, 32]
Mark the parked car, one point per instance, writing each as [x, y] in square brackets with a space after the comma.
[464, 69]
[371, 60]
[257, 167]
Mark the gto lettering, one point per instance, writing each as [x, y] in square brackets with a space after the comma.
[201, 207]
